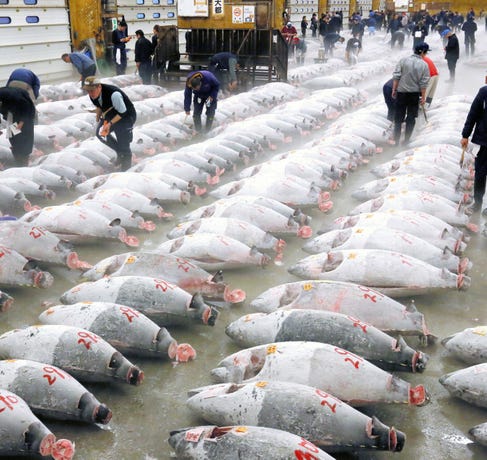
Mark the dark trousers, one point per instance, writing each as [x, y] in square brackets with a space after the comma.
[119, 139]
[88, 72]
[390, 102]
[120, 68]
[145, 72]
[199, 103]
[22, 143]
[407, 107]
[469, 44]
[452, 64]
[480, 175]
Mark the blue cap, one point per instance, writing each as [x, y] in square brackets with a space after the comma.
[446, 31]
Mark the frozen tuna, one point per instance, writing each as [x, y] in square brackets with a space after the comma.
[38, 243]
[340, 372]
[16, 270]
[176, 270]
[83, 354]
[211, 251]
[76, 224]
[126, 329]
[469, 345]
[384, 238]
[469, 384]
[327, 327]
[242, 442]
[163, 302]
[305, 411]
[23, 433]
[351, 299]
[390, 272]
[51, 392]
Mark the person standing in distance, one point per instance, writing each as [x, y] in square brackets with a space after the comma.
[476, 121]
[469, 27]
[119, 39]
[410, 79]
[85, 66]
[452, 52]
[116, 117]
[203, 87]
[143, 53]
[18, 111]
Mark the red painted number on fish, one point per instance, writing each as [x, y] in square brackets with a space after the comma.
[373, 296]
[87, 339]
[51, 378]
[8, 402]
[404, 260]
[355, 360]
[324, 400]
[36, 232]
[357, 323]
[129, 313]
[184, 264]
[162, 285]
[309, 447]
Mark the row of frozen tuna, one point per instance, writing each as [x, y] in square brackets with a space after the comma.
[265, 378]
[411, 209]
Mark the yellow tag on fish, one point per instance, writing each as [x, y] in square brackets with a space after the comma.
[131, 260]
[480, 330]
[307, 286]
[271, 349]
[261, 384]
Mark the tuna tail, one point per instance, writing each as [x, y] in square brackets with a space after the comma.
[92, 411]
[386, 438]
[38, 439]
[207, 314]
[217, 277]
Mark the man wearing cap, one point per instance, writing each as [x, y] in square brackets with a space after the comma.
[119, 39]
[224, 66]
[289, 32]
[452, 51]
[203, 87]
[116, 117]
[18, 111]
[477, 118]
[410, 79]
[85, 66]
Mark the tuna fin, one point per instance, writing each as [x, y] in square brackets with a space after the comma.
[447, 251]
[196, 301]
[253, 251]
[411, 307]
[218, 277]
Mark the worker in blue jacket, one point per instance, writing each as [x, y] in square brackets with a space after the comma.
[224, 66]
[203, 86]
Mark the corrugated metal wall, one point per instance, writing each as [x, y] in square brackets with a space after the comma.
[145, 14]
[34, 34]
